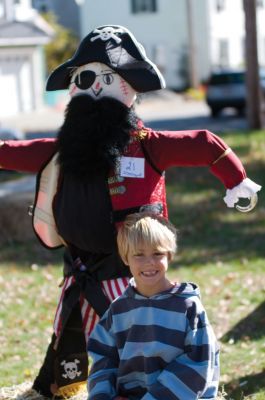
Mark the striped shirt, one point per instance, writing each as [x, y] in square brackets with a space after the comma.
[159, 347]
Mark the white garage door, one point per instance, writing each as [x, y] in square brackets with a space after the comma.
[15, 85]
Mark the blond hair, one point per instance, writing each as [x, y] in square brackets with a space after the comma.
[147, 228]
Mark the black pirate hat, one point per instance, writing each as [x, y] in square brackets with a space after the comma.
[116, 47]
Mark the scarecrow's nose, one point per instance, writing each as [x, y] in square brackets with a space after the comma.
[97, 88]
[97, 84]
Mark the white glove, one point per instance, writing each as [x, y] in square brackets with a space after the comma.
[246, 189]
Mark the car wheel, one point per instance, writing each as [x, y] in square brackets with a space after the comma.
[214, 112]
[241, 111]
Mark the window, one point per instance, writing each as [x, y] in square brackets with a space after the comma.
[41, 5]
[220, 5]
[43, 8]
[226, 78]
[143, 6]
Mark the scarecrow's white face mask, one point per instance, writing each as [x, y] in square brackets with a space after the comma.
[98, 80]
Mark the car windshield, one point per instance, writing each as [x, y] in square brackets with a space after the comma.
[224, 78]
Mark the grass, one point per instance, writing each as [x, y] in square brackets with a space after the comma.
[220, 249]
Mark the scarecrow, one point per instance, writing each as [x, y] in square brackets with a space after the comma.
[103, 165]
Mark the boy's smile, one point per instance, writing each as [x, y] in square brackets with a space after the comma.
[148, 266]
[149, 273]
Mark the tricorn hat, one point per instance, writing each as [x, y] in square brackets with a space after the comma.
[116, 47]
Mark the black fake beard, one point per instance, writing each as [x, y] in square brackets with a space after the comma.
[94, 134]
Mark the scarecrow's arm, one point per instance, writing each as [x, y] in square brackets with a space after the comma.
[26, 155]
[201, 148]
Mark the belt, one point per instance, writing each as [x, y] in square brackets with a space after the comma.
[120, 215]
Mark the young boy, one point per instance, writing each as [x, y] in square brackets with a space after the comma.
[155, 340]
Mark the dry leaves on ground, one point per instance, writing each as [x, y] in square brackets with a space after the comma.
[24, 392]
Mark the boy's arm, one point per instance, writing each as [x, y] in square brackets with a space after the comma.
[26, 155]
[194, 372]
[105, 360]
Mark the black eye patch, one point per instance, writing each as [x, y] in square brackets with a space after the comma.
[85, 79]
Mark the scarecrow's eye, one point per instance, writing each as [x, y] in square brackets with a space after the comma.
[108, 79]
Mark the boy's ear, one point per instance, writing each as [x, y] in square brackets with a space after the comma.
[125, 261]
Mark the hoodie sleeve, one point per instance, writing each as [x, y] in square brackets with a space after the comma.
[105, 360]
[196, 371]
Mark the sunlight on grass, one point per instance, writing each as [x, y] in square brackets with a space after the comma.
[233, 295]
[28, 299]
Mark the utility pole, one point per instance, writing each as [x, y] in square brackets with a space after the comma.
[252, 66]
[192, 50]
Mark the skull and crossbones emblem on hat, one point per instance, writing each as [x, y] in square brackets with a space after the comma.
[107, 33]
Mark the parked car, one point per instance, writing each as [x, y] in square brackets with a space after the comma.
[10, 134]
[227, 88]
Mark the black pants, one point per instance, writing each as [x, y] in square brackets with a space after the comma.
[68, 363]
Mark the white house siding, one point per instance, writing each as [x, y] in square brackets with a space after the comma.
[164, 33]
[227, 29]
[202, 38]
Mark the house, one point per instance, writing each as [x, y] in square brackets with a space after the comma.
[185, 38]
[22, 70]
[163, 29]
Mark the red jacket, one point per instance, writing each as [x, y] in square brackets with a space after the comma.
[157, 150]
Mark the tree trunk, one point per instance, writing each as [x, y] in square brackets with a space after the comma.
[252, 67]
[192, 50]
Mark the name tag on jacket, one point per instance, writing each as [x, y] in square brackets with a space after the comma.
[131, 167]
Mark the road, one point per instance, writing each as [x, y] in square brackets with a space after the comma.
[23, 185]
[224, 123]
[176, 112]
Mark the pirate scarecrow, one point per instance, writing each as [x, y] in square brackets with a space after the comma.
[103, 165]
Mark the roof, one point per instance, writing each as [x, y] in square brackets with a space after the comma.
[14, 33]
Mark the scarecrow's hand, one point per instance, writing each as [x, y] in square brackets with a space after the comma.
[246, 189]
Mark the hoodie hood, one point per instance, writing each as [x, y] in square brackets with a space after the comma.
[184, 290]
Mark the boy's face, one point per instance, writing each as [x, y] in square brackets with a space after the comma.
[148, 267]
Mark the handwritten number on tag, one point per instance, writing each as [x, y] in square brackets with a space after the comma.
[132, 167]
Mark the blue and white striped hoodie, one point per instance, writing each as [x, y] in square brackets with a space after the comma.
[149, 348]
